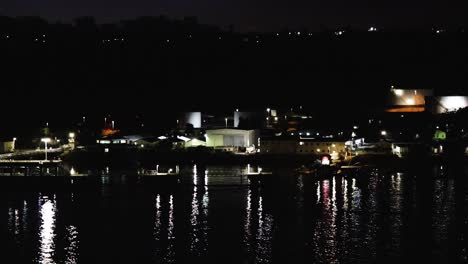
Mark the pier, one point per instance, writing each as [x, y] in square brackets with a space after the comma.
[30, 167]
[22, 175]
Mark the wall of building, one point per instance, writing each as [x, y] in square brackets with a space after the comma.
[7, 146]
[297, 146]
[278, 146]
[230, 137]
[320, 147]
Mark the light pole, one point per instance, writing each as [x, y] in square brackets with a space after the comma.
[225, 119]
[14, 144]
[45, 140]
[71, 139]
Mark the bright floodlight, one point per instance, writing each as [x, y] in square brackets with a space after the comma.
[383, 132]
[45, 140]
[71, 135]
[398, 92]
[410, 101]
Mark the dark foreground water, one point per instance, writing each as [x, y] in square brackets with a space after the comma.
[420, 215]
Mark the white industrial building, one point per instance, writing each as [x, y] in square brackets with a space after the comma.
[227, 137]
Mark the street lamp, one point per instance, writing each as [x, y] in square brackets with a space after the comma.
[71, 137]
[225, 119]
[45, 140]
[14, 143]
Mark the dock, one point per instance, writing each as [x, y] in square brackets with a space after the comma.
[39, 175]
[30, 167]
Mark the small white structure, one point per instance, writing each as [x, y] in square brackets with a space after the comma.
[194, 142]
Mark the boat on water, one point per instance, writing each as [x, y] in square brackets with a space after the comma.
[160, 175]
[357, 169]
[320, 168]
[259, 176]
[160, 172]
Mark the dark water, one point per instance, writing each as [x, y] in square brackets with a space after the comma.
[420, 215]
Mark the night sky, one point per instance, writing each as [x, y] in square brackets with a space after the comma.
[258, 15]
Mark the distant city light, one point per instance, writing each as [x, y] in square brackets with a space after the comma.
[383, 133]
[325, 160]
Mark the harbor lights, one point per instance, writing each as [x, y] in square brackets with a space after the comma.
[45, 140]
[71, 140]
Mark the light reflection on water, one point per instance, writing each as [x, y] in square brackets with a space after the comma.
[72, 246]
[47, 230]
[376, 219]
